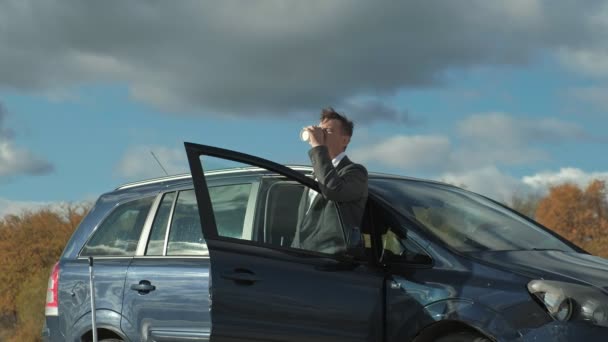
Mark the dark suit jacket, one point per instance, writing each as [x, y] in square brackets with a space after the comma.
[319, 227]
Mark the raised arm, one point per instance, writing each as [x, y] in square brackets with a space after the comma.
[350, 185]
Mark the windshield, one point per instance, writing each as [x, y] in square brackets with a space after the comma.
[463, 220]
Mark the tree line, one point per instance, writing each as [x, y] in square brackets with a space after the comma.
[578, 214]
[30, 244]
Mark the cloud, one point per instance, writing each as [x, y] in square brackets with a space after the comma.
[417, 152]
[545, 180]
[480, 141]
[501, 186]
[500, 138]
[364, 112]
[139, 163]
[275, 57]
[14, 160]
[590, 62]
[597, 96]
[502, 128]
[10, 207]
[492, 182]
[590, 56]
[488, 181]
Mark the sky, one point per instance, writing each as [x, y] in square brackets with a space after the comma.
[503, 97]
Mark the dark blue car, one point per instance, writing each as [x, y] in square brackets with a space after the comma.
[435, 263]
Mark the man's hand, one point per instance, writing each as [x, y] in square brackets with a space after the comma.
[317, 136]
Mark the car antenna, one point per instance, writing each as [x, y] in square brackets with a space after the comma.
[161, 165]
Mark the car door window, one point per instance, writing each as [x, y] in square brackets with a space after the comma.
[185, 234]
[229, 206]
[278, 216]
[119, 233]
[307, 221]
[284, 205]
[179, 213]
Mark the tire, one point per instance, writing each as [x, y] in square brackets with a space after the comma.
[111, 340]
[463, 336]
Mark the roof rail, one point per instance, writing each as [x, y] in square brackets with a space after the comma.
[208, 173]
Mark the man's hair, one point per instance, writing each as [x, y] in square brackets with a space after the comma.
[330, 114]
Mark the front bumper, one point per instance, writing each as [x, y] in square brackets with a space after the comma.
[566, 332]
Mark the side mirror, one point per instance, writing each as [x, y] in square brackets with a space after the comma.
[355, 246]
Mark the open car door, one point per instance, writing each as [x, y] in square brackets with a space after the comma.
[265, 290]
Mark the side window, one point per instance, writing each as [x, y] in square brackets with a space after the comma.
[179, 213]
[156, 242]
[119, 233]
[288, 215]
[186, 235]
[229, 207]
[279, 214]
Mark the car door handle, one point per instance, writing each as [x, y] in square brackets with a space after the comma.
[241, 276]
[143, 287]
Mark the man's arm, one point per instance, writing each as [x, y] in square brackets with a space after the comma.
[349, 186]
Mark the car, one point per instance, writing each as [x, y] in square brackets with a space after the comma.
[208, 256]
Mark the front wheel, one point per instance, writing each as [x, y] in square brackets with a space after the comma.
[463, 336]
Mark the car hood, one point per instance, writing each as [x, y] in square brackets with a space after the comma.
[554, 265]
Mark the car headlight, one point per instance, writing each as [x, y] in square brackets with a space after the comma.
[567, 301]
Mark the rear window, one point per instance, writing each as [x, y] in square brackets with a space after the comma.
[119, 233]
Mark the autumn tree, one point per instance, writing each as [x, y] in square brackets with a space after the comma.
[31, 243]
[580, 215]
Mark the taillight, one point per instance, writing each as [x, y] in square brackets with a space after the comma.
[52, 290]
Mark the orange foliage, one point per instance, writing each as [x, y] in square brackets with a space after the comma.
[579, 215]
[31, 243]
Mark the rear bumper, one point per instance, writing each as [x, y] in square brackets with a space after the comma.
[51, 331]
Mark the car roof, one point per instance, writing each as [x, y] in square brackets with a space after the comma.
[248, 171]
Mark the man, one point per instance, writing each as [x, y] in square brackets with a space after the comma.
[343, 185]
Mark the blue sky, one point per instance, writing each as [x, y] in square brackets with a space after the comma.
[504, 98]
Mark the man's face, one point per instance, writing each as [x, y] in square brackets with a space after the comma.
[335, 139]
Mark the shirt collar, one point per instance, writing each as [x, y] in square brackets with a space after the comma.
[338, 158]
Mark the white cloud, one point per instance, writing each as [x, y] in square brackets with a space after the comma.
[15, 160]
[501, 186]
[503, 139]
[488, 181]
[17, 207]
[418, 152]
[277, 57]
[481, 141]
[139, 163]
[544, 180]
